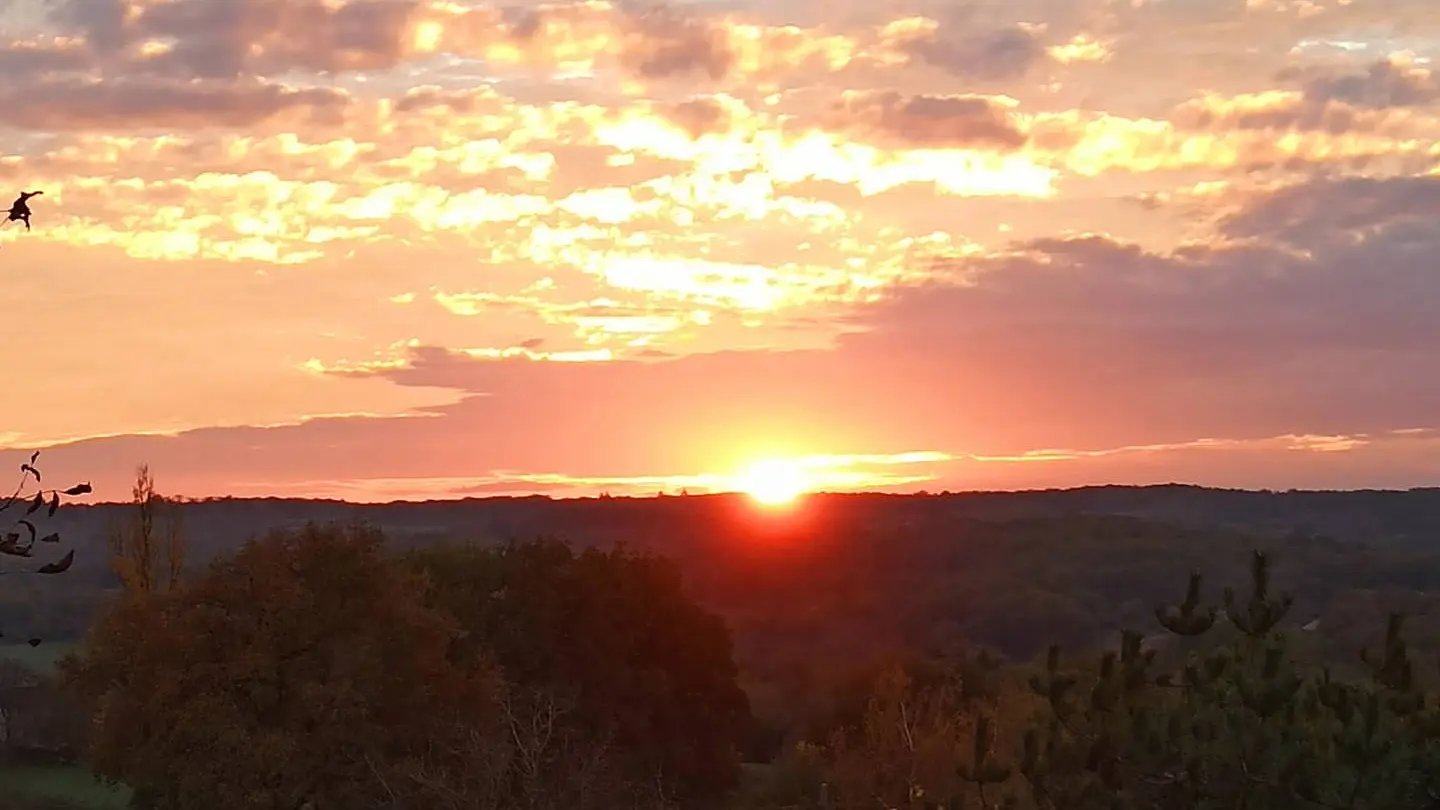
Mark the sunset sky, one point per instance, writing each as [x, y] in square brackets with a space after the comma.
[380, 250]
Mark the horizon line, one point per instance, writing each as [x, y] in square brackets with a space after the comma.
[918, 493]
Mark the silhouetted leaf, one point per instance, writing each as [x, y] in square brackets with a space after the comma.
[14, 550]
[36, 504]
[60, 566]
[53, 537]
[34, 642]
[33, 456]
[26, 468]
[79, 489]
[54, 504]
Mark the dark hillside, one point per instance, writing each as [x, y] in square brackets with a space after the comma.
[845, 579]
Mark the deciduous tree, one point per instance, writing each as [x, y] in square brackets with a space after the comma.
[611, 636]
[147, 548]
[306, 668]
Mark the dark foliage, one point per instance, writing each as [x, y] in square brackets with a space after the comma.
[1241, 726]
[642, 672]
[304, 669]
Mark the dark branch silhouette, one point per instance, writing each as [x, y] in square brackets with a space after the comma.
[20, 538]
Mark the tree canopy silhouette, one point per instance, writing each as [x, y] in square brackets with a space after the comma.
[1233, 723]
[305, 668]
[613, 638]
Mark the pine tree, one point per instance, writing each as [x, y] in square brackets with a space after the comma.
[1237, 727]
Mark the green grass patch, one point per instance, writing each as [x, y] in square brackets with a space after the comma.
[42, 659]
[60, 786]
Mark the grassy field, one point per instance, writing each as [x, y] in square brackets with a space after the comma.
[60, 787]
[41, 659]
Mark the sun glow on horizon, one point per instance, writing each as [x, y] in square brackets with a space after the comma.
[774, 482]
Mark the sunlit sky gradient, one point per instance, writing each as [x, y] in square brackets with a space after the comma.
[382, 250]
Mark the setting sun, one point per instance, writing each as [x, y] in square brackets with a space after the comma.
[773, 482]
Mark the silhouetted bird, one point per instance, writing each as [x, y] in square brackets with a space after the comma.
[21, 209]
